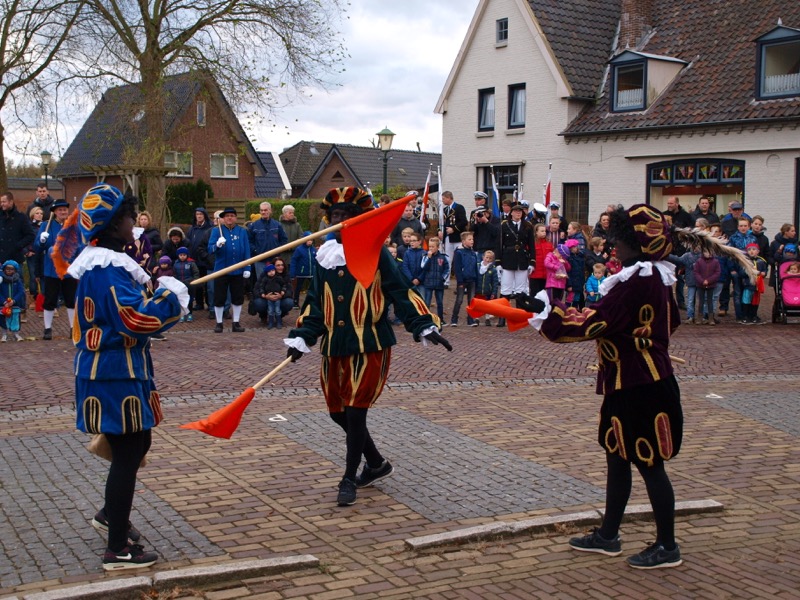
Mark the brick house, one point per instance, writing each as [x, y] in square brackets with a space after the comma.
[204, 141]
[314, 168]
[631, 101]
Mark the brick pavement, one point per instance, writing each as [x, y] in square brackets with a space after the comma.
[525, 409]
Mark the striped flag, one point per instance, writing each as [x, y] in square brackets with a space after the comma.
[546, 191]
[424, 212]
[441, 204]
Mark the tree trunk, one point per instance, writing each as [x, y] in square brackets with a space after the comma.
[152, 150]
[3, 174]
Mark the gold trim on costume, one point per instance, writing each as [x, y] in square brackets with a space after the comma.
[663, 435]
[609, 353]
[155, 406]
[93, 414]
[358, 367]
[616, 425]
[88, 309]
[134, 320]
[327, 313]
[643, 443]
[127, 340]
[131, 414]
[377, 305]
[94, 336]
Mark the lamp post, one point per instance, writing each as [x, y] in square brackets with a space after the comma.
[45, 163]
[385, 144]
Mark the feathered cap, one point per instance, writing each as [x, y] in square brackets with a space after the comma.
[652, 231]
[353, 199]
[95, 211]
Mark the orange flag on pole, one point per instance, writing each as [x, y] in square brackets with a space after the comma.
[516, 318]
[364, 235]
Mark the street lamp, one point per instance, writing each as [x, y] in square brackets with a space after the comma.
[385, 144]
[45, 163]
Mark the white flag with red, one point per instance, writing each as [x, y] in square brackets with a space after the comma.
[546, 192]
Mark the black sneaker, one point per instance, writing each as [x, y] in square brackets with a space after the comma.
[130, 557]
[347, 492]
[592, 542]
[236, 328]
[218, 328]
[100, 522]
[368, 476]
[159, 337]
[48, 334]
[656, 557]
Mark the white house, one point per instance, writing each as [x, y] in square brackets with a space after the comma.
[631, 101]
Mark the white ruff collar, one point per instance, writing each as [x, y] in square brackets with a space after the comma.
[92, 256]
[644, 269]
[331, 255]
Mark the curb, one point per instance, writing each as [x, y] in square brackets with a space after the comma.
[635, 512]
[133, 587]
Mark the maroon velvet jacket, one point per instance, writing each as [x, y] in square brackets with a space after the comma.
[631, 325]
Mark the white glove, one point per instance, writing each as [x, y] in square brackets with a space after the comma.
[246, 274]
[43, 237]
[530, 270]
[221, 242]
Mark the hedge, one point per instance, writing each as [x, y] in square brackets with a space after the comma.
[308, 212]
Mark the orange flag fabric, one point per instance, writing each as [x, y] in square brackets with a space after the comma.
[363, 236]
[224, 422]
[516, 318]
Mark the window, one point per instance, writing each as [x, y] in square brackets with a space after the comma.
[201, 113]
[507, 179]
[486, 109]
[224, 165]
[501, 32]
[779, 63]
[629, 86]
[576, 202]
[179, 163]
[516, 106]
[687, 172]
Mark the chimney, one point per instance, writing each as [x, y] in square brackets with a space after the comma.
[635, 22]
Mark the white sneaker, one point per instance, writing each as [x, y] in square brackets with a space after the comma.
[17, 337]
[4, 338]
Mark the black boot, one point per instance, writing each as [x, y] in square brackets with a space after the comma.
[236, 328]
[48, 334]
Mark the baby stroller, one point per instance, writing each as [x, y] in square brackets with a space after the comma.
[787, 294]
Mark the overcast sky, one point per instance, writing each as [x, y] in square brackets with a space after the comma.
[401, 52]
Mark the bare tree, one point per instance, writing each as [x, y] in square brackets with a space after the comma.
[249, 47]
[32, 33]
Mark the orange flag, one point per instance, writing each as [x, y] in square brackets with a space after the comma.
[516, 318]
[363, 236]
[224, 422]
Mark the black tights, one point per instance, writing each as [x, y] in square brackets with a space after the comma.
[359, 442]
[659, 490]
[127, 451]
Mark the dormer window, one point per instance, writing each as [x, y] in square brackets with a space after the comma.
[637, 79]
[779, 63]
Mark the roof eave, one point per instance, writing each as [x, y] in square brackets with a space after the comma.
[655, 128]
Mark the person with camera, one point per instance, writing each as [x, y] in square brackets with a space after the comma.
[486, 230]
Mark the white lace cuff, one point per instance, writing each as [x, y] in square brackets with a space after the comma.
[177, 288]
[539, 318]
[297, 343]
[427, 331]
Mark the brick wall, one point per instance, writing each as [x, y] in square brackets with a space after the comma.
[634, 22]
[326, 180]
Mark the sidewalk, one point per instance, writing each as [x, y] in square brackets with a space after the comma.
[501, 430]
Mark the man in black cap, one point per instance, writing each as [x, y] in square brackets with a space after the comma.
[554, 207]
[54, 286]
[229, 244]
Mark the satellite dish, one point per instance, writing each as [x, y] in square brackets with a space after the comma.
[539, 208]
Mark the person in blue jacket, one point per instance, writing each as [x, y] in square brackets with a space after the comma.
[301, 269]
[229, 243]
[54, 286]
[265, 234]
[12, 299]
[115, 391]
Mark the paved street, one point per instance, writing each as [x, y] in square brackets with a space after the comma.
[501, 429]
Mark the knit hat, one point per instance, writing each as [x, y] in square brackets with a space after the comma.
[563, 250]
[352, 199]
[269, 267]
[306, 233]
[165, 260]
[183, 250]
[571, 243]
[752, 245]
[11, 263]
[651, 230]
[791, 248]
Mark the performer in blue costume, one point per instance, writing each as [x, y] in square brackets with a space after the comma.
[114, 319]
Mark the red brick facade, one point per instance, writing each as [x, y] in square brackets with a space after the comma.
[334, 175]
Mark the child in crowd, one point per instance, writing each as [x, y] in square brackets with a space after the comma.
[488, 285]
[175, 240]
[707, 270]
[688, 260]
[406, 236]
[593, 283]
[271, 290]
[794, 269]
[12, 295]
[595, 255]
[163, 268]
[558, 266]
[302, 267]
[751, 292]
[613, 266]
[574, 232]
[465, 267]
[412, 262]
[186, 271]
[435, 272]
[576, 278]
[542, 247]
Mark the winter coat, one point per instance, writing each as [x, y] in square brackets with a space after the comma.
[465, 265]
[687, 261]
[16, 234]
[186, 271]
[435, 271]
[542, 248]
[170, 249]
[235, 250]
[269, 285]
[576, 277]
[412, 263]
[488, 284]
[593, 287]
[293, 231]
[553, 264]
[265, 235]
[707, 269]
[413, 223]
[304, 261]
[197, 240]
[155, 241]
[740, 240]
